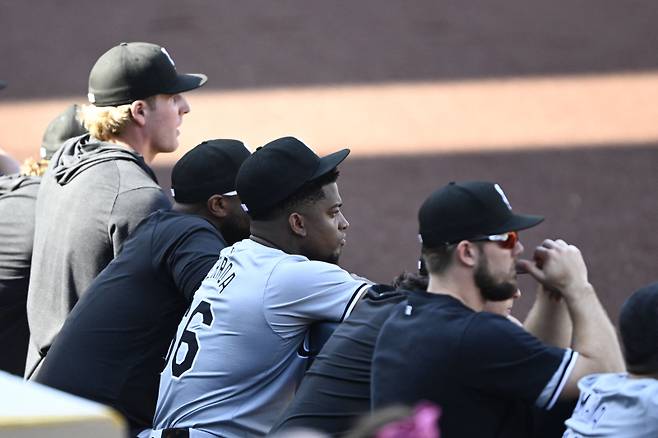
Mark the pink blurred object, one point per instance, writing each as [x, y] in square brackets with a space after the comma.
[423, 423]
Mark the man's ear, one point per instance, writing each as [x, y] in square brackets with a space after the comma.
[216, 206]
[138, 112]
[297, 225]
[467, 253]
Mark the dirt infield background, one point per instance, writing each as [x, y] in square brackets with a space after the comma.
[600, 196]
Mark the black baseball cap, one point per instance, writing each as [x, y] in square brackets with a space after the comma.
[207, 169]
[133, 71]
[277, 170]
[465, 210]
[638, 326]
[60, 129]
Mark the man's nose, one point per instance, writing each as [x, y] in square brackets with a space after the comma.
[344, 224]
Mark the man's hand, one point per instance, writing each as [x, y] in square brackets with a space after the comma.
[559, 267]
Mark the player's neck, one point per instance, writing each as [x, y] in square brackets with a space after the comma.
[464, 291]
[273, 234]
[135, 140]
[263, 241]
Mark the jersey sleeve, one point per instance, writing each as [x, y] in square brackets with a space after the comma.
[193, 255]
[128, 211]
[310, 291]
[503, 359]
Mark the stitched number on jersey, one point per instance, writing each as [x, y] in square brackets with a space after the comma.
[190, 339]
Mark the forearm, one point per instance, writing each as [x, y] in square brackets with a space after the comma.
[594, 336]
[549, 320]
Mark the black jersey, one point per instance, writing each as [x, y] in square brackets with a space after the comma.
[112, 346]
[335, 391]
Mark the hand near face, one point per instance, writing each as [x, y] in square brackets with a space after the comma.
[558, 266]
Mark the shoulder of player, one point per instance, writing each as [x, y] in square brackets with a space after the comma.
[186, 229]
[603, 388]
[483, 327]
[383, 295]
[301, 267]
[125, 175]
[23, 183]
[182, 221]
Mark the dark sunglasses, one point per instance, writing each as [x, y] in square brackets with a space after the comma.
[506, 240]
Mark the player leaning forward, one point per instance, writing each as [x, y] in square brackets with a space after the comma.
[239, 353]
[485, 371]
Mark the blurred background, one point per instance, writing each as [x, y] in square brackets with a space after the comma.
[556, 101]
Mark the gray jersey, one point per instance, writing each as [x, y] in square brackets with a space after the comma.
[239, 354]
[615, 405]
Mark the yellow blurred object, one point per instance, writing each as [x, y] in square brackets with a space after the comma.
[31, 410]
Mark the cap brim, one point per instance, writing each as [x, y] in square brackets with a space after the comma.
[519, 222]
[330, 162]
[187, 82]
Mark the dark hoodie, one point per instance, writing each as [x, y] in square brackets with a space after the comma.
[18, 196]
[91, 198]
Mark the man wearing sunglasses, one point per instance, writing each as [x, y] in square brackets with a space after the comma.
[486, 372]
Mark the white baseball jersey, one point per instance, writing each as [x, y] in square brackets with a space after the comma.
[615, 405]
[238, 355]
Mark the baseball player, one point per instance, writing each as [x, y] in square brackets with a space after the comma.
[66, 125]
[99, 186]
[484, 371]
[112, 346]
[18, 194]
[8, 165]
[624, 404]
[239, 352]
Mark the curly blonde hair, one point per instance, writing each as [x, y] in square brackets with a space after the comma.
[107, 122]
[32, 167]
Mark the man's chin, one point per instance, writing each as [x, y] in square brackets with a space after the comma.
[500, 292]
[333, 259]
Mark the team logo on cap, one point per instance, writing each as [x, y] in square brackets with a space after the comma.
[163, 50]
[502, 196]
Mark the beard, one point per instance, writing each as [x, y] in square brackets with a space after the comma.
[320, 252]
[327, 258]
[490, 288]
[234, 229]
[333, 258]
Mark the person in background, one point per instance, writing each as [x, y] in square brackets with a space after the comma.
[624, 404]
[8, 165]
[18, 194]
[63, 127]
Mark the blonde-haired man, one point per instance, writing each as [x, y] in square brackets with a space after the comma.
[100, 186]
